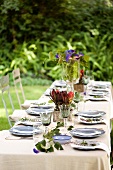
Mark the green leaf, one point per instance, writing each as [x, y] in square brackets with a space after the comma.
[59, 124]
[70, 127]
[43, 142]
[51, 149]
[58, 146]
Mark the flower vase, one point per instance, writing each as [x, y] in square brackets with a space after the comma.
[71, 71]
[65, 112]
[56, 114]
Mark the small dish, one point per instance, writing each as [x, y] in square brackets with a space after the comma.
[62, 139]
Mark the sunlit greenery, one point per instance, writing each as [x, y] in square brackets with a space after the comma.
[31, 29]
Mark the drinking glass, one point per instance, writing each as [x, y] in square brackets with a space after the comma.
[65, 112]
[89, 73]
[36, 130]
[85, 82]
[77, 99]
[46, 119]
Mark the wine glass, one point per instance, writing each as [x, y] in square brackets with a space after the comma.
[36, 130]
[89, 73]
[77, 99]
[65, 112]
[46, 119]
[85, 82]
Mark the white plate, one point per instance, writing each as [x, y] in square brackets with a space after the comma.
[100, 89]
[90, 121]
[87, 132]
[47, 92]
[42, 106]
[91, 113]
[23, 130]
[27, 123]
[60, 83]
[98, 98]
[38, 111]
[97, 93]
[85, 145]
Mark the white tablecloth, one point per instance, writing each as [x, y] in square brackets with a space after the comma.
[18, 154]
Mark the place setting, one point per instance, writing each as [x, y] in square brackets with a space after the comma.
[87, 132]
[90, 145]
[60, 84]
[92, 117]
[91, 121]
[91, 113]
[37, 110]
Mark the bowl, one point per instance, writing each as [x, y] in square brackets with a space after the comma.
[62, 139]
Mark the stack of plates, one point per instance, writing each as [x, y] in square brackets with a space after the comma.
[37, 110]
[24, 131]
[91, 113]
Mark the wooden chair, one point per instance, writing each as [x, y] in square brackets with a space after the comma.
[5, 88]
[5, 94]
[23, 103]
[18, 87]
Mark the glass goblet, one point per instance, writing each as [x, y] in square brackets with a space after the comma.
[65, 112]
[85, 82]
[77, 99]
[46, 119]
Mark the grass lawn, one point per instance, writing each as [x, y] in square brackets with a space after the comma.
[31, 92]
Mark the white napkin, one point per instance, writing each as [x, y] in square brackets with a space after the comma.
[104, 147]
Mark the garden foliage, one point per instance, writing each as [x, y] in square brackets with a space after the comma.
[31, 29]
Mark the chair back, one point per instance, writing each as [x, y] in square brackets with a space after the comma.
[5, 93]
[18, 86]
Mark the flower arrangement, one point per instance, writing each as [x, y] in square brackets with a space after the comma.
[71, 61]
[61, 97]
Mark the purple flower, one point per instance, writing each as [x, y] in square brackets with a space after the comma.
[70, 51]
[68, 57]
[76, 56]
[57, 56]
[85, 93]
[35, 150]
[69, 54]
[81, 54]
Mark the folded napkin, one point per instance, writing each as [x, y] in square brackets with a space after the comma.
[97, 145]
[104, 147]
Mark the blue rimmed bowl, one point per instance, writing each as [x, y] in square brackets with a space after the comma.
[62, 139]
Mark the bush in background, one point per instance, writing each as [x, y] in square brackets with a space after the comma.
[30, 30]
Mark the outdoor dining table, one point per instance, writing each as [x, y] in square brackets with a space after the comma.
[17, 153]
